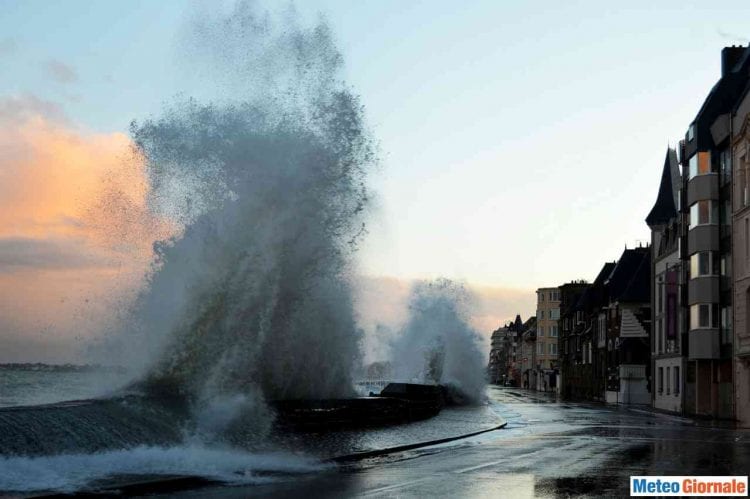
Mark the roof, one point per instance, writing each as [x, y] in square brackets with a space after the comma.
[530, 323]
[721, 99]
[666, 207]
[593, 296]
[629, 279]
[570, 294]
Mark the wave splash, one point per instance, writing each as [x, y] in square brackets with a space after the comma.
[252, 299]
[437, 344]
[76, 472]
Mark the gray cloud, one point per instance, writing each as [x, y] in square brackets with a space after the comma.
[47, 254]
[14, 109]
[60, 72]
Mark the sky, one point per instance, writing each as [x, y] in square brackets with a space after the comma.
[521, 143]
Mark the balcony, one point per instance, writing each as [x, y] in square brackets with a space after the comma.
[632, 371]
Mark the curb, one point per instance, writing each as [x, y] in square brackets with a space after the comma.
[358, 456]
[679, 419]
[178, 483]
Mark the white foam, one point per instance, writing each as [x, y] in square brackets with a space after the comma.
[73, 472]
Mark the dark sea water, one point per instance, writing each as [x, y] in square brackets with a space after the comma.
[80, 469]
[48, 384]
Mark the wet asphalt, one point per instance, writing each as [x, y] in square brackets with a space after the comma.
[549, 448]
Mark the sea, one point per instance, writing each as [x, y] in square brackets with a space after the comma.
[35, 384]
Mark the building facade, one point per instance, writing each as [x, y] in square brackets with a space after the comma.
[628, 329]
[584, 364]
[740, 159]
[504, 366]
[528, 354]
[604, 333]
[709, 389]
[547, 333]
[668, 275]
[568, 325]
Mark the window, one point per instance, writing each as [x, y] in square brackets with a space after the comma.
[726, 325]
[661, 379]
[668, 379]
[541, 331]
[691, 132]
[699, 164]
[660, 347]
[660, 291]
[705, 263]
[540, 348]
[676, 380]
[542, 312]
[726, 215]
[553, 331]
[725, 166]
[704, 213]
[552, 348]
[704, 315]
[554, 314]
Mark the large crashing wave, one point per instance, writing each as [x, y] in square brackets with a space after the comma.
[253, 297]
[437, 344]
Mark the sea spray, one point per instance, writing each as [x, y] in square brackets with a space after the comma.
[437, 344]
[251, 299]
[70, 473]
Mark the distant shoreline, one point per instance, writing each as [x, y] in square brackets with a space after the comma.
[41, 367]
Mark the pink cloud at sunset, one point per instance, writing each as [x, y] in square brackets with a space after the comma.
[75, 234]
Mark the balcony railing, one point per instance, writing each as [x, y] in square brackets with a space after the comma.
[629, 371]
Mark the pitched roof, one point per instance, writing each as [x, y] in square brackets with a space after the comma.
[593, 296]
[666, 207]
[721, 98]
[629, 280]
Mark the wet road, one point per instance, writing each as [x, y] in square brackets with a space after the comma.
[548, 449]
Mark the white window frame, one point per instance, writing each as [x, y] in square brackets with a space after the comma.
[695, 264]
[695, 311]
[693, 165]
[713, 213]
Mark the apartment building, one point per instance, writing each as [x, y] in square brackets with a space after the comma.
[505, 363]
[547, 332]
[583, 365]
[628, 327]
[706, 163]
[740, 158]
[668, 355]
[568, 326]
[528, 354]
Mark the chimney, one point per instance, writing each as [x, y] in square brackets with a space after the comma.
[729, 57]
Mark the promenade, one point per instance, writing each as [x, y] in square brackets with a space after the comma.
[549, 448]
